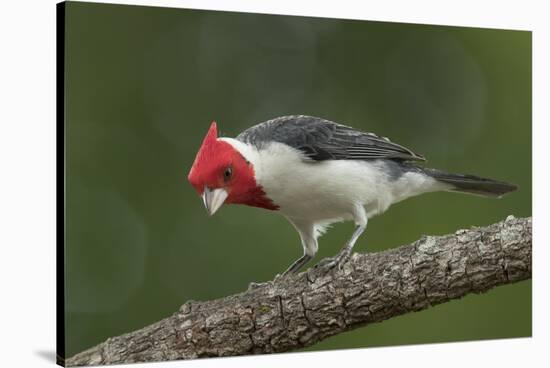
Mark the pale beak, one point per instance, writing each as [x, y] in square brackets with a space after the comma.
[213, 199]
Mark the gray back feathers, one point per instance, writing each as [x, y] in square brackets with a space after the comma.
[321, 139]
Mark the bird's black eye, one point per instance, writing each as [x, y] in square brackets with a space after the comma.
[227, 173]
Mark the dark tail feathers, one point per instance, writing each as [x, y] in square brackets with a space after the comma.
[472, 184]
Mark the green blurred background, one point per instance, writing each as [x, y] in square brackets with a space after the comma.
[143, 85]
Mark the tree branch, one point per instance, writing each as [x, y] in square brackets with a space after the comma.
[299, 311]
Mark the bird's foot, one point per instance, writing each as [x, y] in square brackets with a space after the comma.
[338, 261]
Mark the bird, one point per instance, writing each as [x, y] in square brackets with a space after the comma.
[316, 172]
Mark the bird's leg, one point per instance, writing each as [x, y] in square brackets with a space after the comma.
[309, 243]
[306, 230]
[343, 256]
[295, 267]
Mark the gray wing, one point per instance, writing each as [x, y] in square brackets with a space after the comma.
[321, 139]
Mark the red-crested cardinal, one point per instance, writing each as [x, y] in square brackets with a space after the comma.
[316, 172]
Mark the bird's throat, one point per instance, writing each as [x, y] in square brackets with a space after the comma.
[255, 197]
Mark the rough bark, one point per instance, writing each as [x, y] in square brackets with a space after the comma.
[299, 311]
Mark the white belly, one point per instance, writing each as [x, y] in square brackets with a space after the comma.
[305, 190]
[327, 191]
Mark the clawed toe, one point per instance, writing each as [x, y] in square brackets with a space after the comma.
[325, 262]
[343, 259]
[338, 261]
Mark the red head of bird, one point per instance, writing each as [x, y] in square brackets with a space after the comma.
[221, 174]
